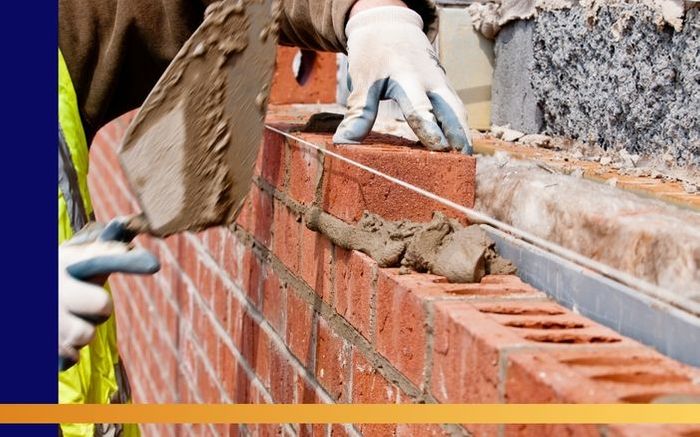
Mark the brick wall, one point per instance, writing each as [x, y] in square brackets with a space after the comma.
[268, 311]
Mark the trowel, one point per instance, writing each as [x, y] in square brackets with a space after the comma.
[190, 152]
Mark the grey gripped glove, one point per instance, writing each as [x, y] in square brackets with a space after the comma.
[390, 57]
[84, 263]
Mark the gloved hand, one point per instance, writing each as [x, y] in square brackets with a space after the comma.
[390, 57]
[84, 262]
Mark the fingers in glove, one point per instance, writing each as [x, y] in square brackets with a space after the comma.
[138, 261]
[119, 230]
[416, 108]
[363, 105]
[452, 118]
[86, 301]
[88, 234]
[78, 333]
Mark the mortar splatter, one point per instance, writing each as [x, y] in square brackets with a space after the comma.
[443, 247]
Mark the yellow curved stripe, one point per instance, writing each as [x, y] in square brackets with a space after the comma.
[357, 413]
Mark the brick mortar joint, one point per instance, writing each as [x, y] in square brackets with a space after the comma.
[373, 304]
[382, 365]
[339, 325]
[220, 331]
[429, 343]
[173, 348]
[259, 318]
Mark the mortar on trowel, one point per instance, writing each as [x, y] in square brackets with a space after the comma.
[190, 152]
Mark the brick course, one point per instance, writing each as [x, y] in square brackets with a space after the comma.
[267, 311]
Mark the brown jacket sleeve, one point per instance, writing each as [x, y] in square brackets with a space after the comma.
[320, 25]
[116, 50]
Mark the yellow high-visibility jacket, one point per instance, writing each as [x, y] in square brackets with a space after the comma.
[99, 377]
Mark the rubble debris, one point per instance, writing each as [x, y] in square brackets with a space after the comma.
[505, 133]
[690, 187]
[537, 140]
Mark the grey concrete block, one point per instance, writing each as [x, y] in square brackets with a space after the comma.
[513, 99]
[640, 91]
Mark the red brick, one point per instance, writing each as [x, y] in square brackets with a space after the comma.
[653, 430]
[282, 377]
[607, 375]
[210, 339]
[185, 303]
[269, 430]
[286, 237]
[207, 388]
[271, 159]
[368, 385]
[312, 430]
[235, 322]
[256, 214]
[242, 393]
[262, 215]
[256, 349]
[401, 324]
[252, 276]
[245, 215]
[567, 329]
[300, 317]
[350, 190]
[305, 166]
[316, 267]
[185, 394]
[234, 430]
[305, 392]
[503, 286]
[274, 300]
[333, 362]
[466, 354]
[220, 297]
[233, 256]
[320, 86]
[216, 244]
[355, 280]
[423, 430]
[226, 369]
[551, 430]
[188, 258]
[338, 430]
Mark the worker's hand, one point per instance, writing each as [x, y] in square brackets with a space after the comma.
[84, 263]
[390, 57]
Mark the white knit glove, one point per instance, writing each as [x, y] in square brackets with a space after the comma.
[390, 57]
[84, 263]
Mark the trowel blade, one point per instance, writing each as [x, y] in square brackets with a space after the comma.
[190, 153]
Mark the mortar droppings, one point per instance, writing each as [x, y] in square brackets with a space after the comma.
[179, 154]
[443, 247]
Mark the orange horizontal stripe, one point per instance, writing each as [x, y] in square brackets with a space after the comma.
[357, 413]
